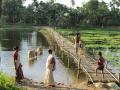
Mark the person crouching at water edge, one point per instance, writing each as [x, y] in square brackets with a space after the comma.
[100, 63]
[76, 39]
[18, 66]
[50, 67]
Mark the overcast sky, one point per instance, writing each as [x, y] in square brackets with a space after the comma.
[66, 2]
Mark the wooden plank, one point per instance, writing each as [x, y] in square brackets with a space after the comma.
[88, 64]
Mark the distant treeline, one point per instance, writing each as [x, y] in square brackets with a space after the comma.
[92, 13]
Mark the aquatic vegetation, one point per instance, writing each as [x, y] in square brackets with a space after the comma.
[106, 40]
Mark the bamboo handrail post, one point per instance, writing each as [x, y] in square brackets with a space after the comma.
[68, 59]
[119, 77]
[79, 62]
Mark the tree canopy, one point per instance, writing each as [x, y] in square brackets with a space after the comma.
[92, 13]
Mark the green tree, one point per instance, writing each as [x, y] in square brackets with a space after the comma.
[93, 13]
[114, 13]
[0, 8]
[115, 3]
[90, 10]
[28, 15]
[41, 13]
[12, 9]
[102, 14]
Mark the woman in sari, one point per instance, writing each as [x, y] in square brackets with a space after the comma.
[18, 66]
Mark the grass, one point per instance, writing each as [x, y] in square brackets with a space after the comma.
[111, 39]
[100, 40]
[7, 83]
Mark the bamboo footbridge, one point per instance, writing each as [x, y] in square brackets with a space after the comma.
[85, 62]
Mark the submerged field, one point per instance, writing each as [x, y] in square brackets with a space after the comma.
[105, 40]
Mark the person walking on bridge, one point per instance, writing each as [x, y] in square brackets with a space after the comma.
[100, 63]
[76, 40]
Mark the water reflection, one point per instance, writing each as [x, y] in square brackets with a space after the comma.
[9, 39]
[77, 75]
[34, 69]
[31, 63]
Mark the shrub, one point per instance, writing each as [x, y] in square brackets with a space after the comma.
[7, 82]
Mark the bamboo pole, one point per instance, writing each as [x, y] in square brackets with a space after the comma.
[79, 61]
[78, 73]
[119, 77]
[68, 59]
[62, 54]
[57, 49]
[55, 46]
[62, 43]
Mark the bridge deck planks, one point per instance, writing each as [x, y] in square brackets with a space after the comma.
[88, 63]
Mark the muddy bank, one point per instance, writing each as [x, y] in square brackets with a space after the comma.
[28, 84]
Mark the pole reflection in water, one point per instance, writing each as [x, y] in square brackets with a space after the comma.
[33, 69]
[31, 63]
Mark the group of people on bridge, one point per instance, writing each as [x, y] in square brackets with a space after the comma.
[79, 44]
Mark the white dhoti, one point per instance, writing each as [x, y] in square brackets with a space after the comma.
[49, 74]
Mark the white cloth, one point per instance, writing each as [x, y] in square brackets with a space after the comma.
[49, 72]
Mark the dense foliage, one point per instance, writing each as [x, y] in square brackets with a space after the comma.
[7, 83]
[92, 13]
[0, 7]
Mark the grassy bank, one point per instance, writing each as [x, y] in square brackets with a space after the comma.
[8, 83]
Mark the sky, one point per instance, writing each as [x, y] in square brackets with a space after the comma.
[66, 2]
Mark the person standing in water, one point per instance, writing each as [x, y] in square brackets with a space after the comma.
[18, 66]
[50, 67]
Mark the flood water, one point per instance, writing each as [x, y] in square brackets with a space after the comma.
[35, 70]
[108, 42]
